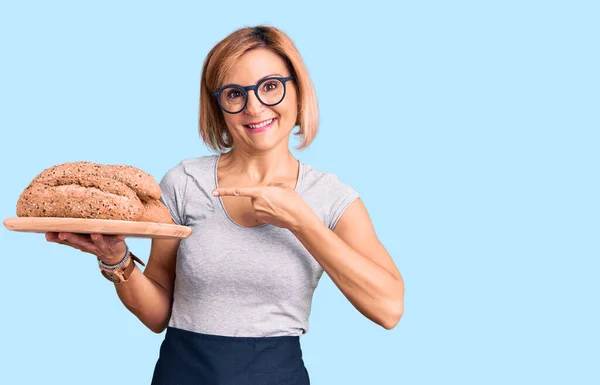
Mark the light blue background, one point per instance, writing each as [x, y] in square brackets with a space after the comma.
[469, 128]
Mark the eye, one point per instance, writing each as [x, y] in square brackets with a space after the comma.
[233, 94]
[271, 85]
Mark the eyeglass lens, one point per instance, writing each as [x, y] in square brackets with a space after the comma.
[269, 92]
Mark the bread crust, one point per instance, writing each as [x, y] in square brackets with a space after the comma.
[94, 191]
[74, 201]
[109, 178]
[155, 211]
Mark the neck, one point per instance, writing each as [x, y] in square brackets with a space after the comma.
[260, 168]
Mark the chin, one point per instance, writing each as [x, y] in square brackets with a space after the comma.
[268, 139]
[266, 144]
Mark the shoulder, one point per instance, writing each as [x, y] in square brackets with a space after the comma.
[190, 166]
[199, 168]
[326, 193]
[187, 177]
[321, 180]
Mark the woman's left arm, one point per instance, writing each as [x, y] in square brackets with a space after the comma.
[351, 254]
[357, 262]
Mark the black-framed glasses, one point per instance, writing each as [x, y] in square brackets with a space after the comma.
[269, 91]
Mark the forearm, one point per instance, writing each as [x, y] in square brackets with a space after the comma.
[146, 299]
[372, 289]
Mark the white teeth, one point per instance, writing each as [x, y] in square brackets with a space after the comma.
[265, 123]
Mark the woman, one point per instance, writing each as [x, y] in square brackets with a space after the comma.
[235, 296]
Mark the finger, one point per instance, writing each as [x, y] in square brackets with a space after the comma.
[73, 246]
[120, 237]
[251, 192]
[104, 239]
[77, 240]
[97, 239]
[52, 237]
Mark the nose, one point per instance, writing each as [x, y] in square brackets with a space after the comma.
[254, 106]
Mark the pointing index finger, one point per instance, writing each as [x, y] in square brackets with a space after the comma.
[251, 192]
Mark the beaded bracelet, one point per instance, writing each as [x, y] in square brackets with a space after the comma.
[118, 265]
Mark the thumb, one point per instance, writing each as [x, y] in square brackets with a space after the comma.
[98, 236]
[276, 184]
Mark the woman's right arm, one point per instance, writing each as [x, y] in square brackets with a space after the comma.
[149, 294]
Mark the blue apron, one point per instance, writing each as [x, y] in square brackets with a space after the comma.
[194, 358]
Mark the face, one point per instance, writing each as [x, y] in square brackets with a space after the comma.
[259, 128]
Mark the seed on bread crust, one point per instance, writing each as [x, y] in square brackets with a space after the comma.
[73, 201]
[155, 211]
[94, 191]
[110, 178]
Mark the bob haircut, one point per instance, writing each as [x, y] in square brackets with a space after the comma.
[219, 61]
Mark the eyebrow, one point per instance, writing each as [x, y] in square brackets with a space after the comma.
[258, 81]
[268, 76]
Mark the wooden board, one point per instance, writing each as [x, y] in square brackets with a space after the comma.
[100, 226]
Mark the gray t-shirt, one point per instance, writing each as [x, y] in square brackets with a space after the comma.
[240, 281]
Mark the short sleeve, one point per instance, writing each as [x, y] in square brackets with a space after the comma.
[173, 186]
[340, 197]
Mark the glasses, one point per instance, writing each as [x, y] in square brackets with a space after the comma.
[269, 91]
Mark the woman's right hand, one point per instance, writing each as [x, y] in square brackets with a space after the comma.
[109, 248]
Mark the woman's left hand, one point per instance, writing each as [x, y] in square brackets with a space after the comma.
[276, 203]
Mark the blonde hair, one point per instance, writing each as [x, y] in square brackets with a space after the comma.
[219, 61]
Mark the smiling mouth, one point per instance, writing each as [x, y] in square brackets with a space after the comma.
[262, 124]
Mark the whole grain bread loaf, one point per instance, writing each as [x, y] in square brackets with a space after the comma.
[94, 191]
